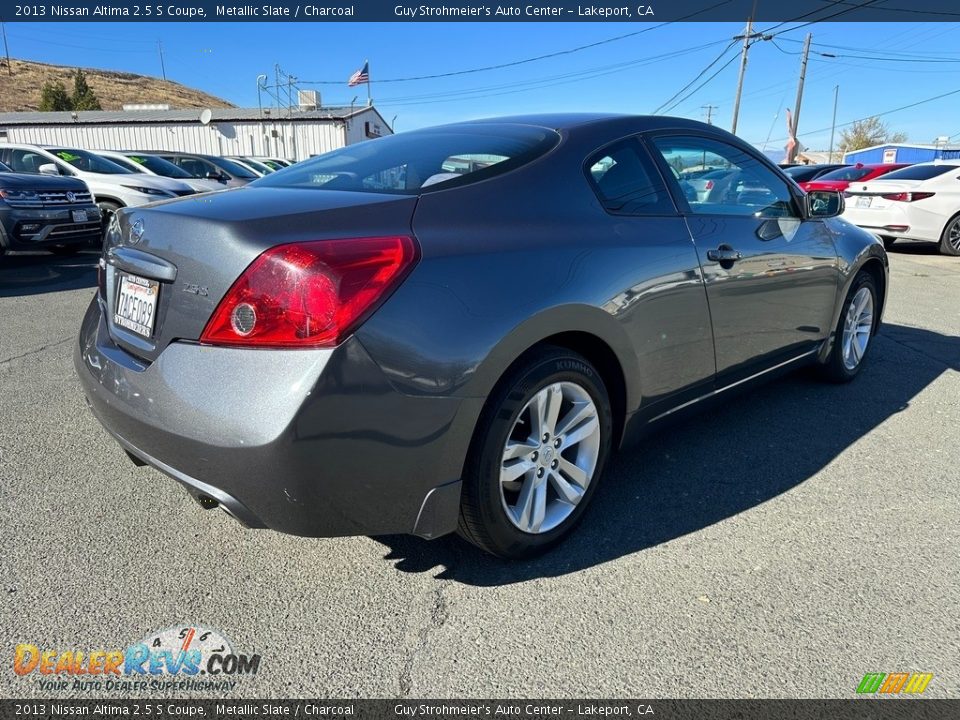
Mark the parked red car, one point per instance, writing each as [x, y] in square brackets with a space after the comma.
[840, 178]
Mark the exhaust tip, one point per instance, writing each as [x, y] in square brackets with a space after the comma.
[207, 502]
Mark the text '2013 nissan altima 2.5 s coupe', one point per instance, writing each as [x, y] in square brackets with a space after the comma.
[452, 329]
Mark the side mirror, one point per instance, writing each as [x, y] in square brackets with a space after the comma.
[219, 177]
[824, 204]
[48, 169]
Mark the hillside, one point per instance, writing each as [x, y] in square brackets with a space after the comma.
[22, 90]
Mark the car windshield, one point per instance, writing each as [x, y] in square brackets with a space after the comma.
[920, 172]
[235, 169]
[159, 166]
[4, 168]
[413, 162]
[850, 174]
[88, 162]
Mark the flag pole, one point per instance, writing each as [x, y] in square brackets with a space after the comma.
[367, 64]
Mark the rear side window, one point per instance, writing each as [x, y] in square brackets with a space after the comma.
[421, 161]
[920, 172]
[627, 183]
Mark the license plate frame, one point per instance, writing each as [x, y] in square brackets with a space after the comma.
[79, 216]
[135, 304]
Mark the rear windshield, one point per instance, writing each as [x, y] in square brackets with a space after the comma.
[920, 172]
[88, 162]
[802, 173]
[414, 162]
[159, 166]
[850, 174]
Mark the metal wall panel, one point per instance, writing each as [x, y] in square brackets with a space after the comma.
[276, 137]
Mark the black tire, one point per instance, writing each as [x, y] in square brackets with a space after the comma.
[834, 369]
[483, 517]
[952, 228]
[65, 250]
[887, 241]
[107, 209]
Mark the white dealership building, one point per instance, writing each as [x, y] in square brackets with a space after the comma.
[294, 134]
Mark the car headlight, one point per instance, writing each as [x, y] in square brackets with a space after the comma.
[19, 195]
[150, 191]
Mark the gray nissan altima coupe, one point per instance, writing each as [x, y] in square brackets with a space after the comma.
[452, 329]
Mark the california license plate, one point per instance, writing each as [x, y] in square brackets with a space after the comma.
[864, 201]
[79, 215]
[136, 306]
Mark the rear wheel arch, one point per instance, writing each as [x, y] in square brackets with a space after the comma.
[596, 350]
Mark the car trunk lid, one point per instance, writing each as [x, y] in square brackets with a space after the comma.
[168, 265]
[871, 194]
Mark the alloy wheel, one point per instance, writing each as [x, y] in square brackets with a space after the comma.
[550, 457]
[857, 328]
[953, 235]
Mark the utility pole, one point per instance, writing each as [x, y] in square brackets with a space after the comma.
[163, 68]
[743, 69]
[709, 109]
[6, 48]
[796, 107]
[276, 72]
[833, 125]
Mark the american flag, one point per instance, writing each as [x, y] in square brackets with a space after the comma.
[361, 76]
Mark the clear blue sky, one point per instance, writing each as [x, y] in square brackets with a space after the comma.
[225, 58]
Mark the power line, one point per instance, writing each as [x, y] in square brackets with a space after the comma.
[701, 85]
[884, 113]
[819, 20]
[536, 58]
[544, 82]
[703, 72]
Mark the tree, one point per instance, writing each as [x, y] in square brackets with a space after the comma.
[53, 96]
[83, 97]
[866, 133]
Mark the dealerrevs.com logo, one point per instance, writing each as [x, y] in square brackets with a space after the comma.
[185, 657]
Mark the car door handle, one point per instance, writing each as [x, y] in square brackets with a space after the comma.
[724, 254]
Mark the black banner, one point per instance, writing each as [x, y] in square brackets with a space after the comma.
[855, 709]
[651, 11]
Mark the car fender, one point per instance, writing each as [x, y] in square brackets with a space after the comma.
[852, 256]
[551, 322]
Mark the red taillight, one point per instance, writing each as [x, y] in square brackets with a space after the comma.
[709, 185]
[310, 294]
[907, 196]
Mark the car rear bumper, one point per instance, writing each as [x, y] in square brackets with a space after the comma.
[309, 442]
[899, 220]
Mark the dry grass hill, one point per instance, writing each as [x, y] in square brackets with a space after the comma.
[21, 91]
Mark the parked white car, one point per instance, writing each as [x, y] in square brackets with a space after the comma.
[153, 165]
[920, 202]
[113, 187]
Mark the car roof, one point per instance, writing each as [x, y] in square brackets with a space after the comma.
[567, 121]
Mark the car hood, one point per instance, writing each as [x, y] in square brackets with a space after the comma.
[133, 179]
[201, 185]
[29, 181]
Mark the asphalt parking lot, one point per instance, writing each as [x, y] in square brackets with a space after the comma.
[783, 546]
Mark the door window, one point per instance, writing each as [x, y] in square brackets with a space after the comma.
[736, 182]
[26, 161]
